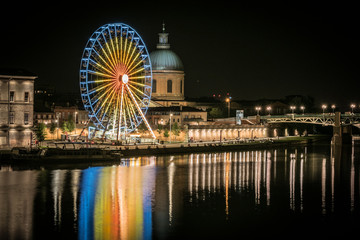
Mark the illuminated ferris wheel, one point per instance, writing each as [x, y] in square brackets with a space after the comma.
[116, 79]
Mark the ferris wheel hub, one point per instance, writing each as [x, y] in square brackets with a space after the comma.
[124, 78]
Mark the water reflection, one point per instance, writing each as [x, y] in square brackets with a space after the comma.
[17, 194]
[115, 202]
[155, 197]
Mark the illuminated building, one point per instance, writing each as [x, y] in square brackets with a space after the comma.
[16, 107]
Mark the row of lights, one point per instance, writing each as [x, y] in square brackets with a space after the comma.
[302, 108]
[268, 109]
[324, 107]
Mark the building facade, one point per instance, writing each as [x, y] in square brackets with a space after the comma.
[16, 107]
[178, 114]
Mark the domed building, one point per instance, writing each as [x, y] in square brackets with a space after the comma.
[168, 73]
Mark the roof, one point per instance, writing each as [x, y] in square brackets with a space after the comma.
[165, 59]
[174, 109]
[16, 72]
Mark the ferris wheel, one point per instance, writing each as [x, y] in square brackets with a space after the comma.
[116, 79]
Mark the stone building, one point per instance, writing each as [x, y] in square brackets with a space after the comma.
[179, 114]
[16, 107]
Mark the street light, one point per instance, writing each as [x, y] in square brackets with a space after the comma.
[352, 108]
[228, 100]
[324, 107]
[170, 125]
[268, 108]
[292, 109]
[303, 109]
[258, 110]
[333, 108]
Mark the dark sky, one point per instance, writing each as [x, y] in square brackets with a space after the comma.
[252, 53]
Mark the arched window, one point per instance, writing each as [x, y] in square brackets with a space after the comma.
[154, 86]
[180, 86]
[169, 86]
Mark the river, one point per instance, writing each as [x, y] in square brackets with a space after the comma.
[284, 193]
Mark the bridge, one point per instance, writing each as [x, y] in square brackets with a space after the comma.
[327, 119]
[341, 122]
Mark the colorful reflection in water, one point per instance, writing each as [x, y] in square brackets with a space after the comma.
[115, 202]
[199, 195]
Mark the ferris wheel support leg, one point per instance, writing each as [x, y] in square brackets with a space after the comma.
[120, 113]
[141, 113]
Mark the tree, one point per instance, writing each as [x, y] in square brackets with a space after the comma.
[216, 112]
[159, 128]
[70, 123]
[175, 129]
[64, 127]
[40, 132]
[52, 128]
[166, 132]
[142, 128]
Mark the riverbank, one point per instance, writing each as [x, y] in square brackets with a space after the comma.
[83, 153]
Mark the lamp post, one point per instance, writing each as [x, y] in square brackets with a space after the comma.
[228, 100]
[333, 108]
[268, 108]
[258, 110]
[292, 109]
[302, 109]
[170, 125]
[352, 108]
[323, 108]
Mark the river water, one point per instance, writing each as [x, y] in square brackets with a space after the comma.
[286, 192]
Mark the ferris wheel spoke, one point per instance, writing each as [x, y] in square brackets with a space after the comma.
[113, 50]
[109, 104]
[100, 87]
[128, 111]
[100, 67]
[127, 53]
[136, 71]
[124, 50]
[137, 93]
[137, 78]
[99, 104]
[111, 54]
[133, 60]
[131, 56]
[120, 112]
[105, 54]
[132, 68]
[108, 58]
[100, 74]
[108, 67]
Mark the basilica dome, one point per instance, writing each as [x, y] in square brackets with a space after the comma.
[165, 59]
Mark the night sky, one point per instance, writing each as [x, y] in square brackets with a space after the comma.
[252, 53]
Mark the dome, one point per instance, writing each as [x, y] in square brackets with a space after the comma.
[165, 59]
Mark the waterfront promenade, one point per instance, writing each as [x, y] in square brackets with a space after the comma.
[73, 152]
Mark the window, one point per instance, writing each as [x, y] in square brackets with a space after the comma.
[26, 97]
[154, 86]
[169, 86]
[26, 118]
[11, 97]
[12, 118]
[180, 86]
